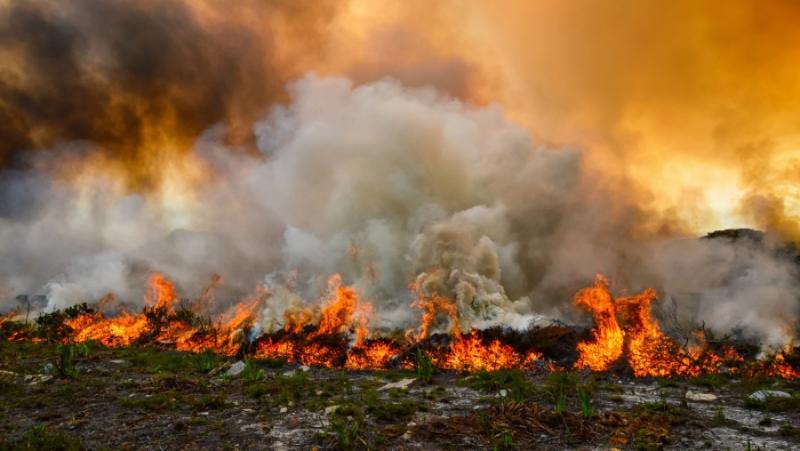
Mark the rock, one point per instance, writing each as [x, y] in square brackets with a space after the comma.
[700, 397]
[218, 370]
[5, 373]
[284, 409]
[48, 369]
[401, 384]
[288, 373]
[762, 395]
[304, 368]
[319, 392]
[407, 435]
[255, 427]
[117, 361]
[503, 393]
[203, 414]
[38, 379]
[235, 369]
[330, 409]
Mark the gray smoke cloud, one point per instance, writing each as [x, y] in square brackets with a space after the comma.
[388, 186]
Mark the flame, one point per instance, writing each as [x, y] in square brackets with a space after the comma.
[606, 346]
[337, 315]
[335, 333]
[161, 293]
[120, 331]
[471, 354]
[374, 354]
[431, 306]
[626, 326]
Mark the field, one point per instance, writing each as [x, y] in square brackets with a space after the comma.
[90, 397]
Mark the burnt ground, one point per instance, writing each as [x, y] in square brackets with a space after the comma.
[98, 398]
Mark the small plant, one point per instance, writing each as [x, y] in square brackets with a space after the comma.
[67, 358]
[388, 411]
[788, 430]
[511, 380]
[346, 434]
[42, 437]
[719, 417]
[561, 403]
[586, 404]
[424, 366]
[251, 372]
[506, 439]
[206, 361]
[561, 382]
[275, 362]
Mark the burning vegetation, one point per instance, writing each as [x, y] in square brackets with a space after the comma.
[335, 333]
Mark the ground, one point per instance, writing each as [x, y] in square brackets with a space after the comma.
[89, 397]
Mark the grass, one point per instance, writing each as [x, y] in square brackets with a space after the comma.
[159, 360]
[209, 402]
[423, 365]
[511, 380]
[389, 411]
[346, 434]
[68, 355]
[251, 372]
[710, 381]
[663, 407]
[159, 402]
[585, 403]
[42, 438]
[719, 417]
[206, 361]
[772, 404]
[280, 390]
[789, 430]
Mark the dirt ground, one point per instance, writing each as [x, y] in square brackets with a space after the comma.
[98, 398]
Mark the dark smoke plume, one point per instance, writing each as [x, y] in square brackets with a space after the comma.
[139, 78]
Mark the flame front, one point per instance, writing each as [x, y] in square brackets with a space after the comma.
[335, 333]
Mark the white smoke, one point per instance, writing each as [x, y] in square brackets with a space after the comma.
[388, 186]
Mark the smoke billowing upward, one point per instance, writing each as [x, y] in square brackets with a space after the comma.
[191, 139]
[141, 79]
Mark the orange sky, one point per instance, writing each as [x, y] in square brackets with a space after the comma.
[695, 102]
[690, 107]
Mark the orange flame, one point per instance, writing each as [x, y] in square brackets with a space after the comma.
[606, 346]
[336, 334]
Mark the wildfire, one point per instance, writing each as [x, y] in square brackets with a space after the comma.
[335, 333]
[471, 354]
[625, 326]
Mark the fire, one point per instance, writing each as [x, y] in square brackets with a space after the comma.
[161, 293]
[122, 330]
[375, 354]
[606, 346]
[334, 333]
[626, 327]
[160, 299]
[471, 354]
[337, 315]
[431, 306]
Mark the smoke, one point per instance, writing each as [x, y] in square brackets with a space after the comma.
[689, 100]
[140, 80]
[387, 186]
[176, 141]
